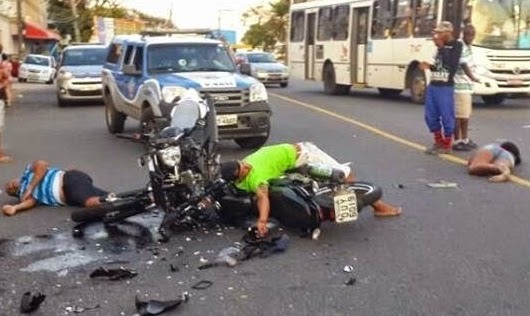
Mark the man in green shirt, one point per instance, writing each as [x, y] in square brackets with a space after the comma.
[252, 174]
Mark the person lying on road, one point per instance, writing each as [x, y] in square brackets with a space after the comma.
[42, 184]
[496, 160]
[253, 173]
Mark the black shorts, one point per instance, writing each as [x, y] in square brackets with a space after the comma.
[78, 187]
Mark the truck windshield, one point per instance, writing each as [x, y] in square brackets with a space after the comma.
[188, 58]
[84, 57]
[261, 58]
[501, 24]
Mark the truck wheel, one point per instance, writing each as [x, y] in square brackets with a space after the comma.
[148, 124]
[251, 142]
[494, 99]
[418, 86]
[115, 120]
[330, 84]
[284, 84]
[61, 103]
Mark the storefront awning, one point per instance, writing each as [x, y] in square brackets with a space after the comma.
[36, 32]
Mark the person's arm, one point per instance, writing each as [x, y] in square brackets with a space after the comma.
[262, 196]
[468, 72]
[22, 206]
[39, 169]
[454, 59]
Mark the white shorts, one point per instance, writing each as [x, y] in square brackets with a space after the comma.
[2, 114]
[463, 105]
[311, 154]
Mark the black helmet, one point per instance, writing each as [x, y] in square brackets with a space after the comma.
[229, 170]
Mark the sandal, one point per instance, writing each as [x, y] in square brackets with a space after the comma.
[395, 212]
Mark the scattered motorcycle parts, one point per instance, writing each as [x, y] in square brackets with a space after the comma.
[113, 274]
[350, 281]
[31, 302]
[154, 307]
[79, 309]
[202, 285]
[348, 269]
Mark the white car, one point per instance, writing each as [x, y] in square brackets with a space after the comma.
[39, 68]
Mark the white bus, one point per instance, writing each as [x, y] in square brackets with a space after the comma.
[379, 43]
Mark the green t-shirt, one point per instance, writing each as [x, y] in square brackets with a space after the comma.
[269, 162]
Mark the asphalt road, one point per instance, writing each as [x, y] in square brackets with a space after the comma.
[460, 251]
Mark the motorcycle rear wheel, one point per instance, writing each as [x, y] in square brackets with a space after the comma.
[366, 193]
[110, 212]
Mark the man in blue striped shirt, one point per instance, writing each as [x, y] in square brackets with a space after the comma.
[45, 185]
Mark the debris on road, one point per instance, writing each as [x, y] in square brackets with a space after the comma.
[443, 185]
[347, 269]
[202, 285]
[113, 274]
[79, 309]
[173, 268]
[154, 307]
[31, 302]
[226, 257]
[350, 281]
[400, 186]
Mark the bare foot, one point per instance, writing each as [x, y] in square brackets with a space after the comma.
[9, 210]
[5, 159]
[499, 178]
[382, 209]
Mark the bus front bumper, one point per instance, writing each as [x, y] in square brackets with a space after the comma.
[490, 86]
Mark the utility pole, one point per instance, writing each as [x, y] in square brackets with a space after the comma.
[20, 25]
[77, 32]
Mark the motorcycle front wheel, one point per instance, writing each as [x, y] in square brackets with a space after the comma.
[110, 212]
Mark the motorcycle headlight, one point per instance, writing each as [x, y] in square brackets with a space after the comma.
[258, 92]
[170, 93]
[170, 156]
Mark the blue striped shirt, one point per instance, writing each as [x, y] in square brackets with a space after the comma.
[48, 190]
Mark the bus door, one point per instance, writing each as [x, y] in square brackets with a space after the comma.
[359, 36]
[310, 47]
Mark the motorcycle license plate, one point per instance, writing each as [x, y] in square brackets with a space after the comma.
[345, 207]
[225, 120]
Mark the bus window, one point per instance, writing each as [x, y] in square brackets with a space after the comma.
[425, 19]
[403, 19]
[341, 19]
[297, 26]
[362, 31]
[325, 24]
[382, 19]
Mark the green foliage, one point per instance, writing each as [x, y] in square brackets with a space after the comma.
[271, 26]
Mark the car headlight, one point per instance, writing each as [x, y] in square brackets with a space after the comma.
[65, 74]
[258, 92]
[481, 70]
[170, 156]
[170, 93]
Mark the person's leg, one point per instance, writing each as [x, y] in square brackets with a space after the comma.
[381, 209]
[447, 112]
[458, 114]
[480, 164]
[3, 156]
[80, 191]
[432, 117]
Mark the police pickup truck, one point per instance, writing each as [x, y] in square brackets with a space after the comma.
[144, 75]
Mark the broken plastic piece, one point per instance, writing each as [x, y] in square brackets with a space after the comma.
[31, 302]
[154, 307]
[350, 281]
[173, 268]
[113, 274]
[79, 309]
[202, 285]
[442, 185]
[347, 269]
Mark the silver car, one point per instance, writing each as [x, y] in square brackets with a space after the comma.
[265, 67]
[79, 74]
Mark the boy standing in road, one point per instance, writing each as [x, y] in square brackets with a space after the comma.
[464, 93]
[439, 97]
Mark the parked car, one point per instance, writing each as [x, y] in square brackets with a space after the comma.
[79, 73]
[39, 68]
[265, 67]
[144, 76]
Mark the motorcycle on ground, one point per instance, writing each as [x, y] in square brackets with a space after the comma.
[303, 199]
[182, 163]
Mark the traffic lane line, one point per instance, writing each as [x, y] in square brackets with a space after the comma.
[455, 159]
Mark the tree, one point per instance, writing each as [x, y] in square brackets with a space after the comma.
[270, 28]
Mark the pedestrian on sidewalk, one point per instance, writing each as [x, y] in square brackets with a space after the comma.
[4, 80]
[6, 63]
[439, 97]
[464, 79]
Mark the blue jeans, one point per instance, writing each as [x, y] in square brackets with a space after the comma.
[440, 109]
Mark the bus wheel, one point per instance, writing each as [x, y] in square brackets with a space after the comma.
[330, 85]
[494, 99]
[389, 93]
[418, 86]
